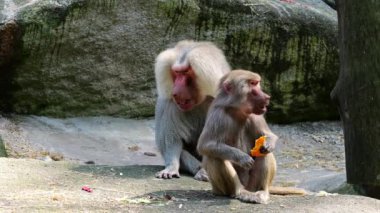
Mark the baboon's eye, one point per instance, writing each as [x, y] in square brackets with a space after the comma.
[254, 82]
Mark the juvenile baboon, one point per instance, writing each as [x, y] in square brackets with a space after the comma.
[235, 119]
[187, 77]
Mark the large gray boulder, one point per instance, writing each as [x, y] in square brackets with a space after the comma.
[80, 57]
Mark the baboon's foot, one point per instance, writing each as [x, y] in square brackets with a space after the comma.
[261, 197]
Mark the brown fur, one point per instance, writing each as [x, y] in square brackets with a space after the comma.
[234, 121]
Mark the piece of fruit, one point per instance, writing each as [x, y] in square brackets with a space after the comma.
[259, 150]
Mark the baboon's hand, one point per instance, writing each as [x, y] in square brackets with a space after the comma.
[269, 146]
[246, 161]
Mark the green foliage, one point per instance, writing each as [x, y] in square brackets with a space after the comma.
[3, 152]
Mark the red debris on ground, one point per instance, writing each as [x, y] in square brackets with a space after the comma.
[288, 1]
[87, 189]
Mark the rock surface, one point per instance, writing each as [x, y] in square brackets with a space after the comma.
[37, 186]
[85, 58]
[55, 154]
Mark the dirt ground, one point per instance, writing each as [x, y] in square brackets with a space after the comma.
[49, 164]
[28, 185]
[309, 155]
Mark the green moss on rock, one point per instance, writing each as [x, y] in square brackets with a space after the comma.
[294, 55]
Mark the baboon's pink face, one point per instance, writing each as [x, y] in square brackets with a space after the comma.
[185, 91]
[257, 97]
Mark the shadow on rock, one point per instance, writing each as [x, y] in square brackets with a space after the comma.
[181, 196]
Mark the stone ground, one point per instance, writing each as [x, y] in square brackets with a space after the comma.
[48, 166]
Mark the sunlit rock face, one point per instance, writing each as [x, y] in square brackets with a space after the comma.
[80, 57]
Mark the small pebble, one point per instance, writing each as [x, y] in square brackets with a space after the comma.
[90, 162]
[152, 154]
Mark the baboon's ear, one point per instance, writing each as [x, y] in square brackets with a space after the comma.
[227, 86]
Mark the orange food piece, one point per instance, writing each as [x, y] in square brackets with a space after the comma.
[256, 151]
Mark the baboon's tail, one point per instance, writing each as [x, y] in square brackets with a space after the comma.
[279, 190]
